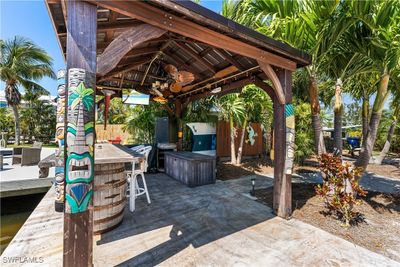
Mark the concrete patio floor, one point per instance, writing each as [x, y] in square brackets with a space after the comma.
[216, 225]
[212, 225]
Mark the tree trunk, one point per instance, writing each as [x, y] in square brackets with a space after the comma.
[386, 147]
[368, 145]
[365, 115]
[240, 149]
[233, 150]
[316, 120]
[338, 112]
[17, 126]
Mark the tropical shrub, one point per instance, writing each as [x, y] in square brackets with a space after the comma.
[6, 122]
[304, 142]
[340, 187]
[141, 122]
[38, 118]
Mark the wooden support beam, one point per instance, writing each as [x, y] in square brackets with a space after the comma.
[178, 115]
[142, 51]
[79, 141]
[124, 43]
[230, 59]
[167, 21]
[269, 71]
[117, 25]
[64, 11]
[283, 148]
[205, 51]
[137, 87]
[233, 87]
[110, 32]
[103, 45]
[196, 56]
[125, 69]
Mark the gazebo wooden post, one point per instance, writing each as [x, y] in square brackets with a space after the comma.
[283, 148]
[79, 125]
[178, 115]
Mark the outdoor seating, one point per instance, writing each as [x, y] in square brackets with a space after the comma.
[27, 155]
[132, 176]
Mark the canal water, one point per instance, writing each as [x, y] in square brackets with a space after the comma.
[14, 212]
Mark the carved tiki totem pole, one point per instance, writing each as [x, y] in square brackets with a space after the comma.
[59, 172]
[290, 134]
[80, 141]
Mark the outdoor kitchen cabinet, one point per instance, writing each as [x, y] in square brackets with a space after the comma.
[190, 168]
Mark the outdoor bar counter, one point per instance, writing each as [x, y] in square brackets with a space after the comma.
[110, 185]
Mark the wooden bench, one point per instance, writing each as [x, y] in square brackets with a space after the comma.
[45, 164]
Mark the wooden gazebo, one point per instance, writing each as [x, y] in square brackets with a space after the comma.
[115, 45]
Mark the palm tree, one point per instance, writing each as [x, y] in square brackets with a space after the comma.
[22, 63]
[395, 106]
[231, 108]
[301, 24]
[380, 45]
[361, 87]
[342, 64]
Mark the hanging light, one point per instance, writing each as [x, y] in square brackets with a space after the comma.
[216, 90]
[107, 94]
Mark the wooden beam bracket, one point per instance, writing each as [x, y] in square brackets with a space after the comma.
[269, 71]
[124, 43]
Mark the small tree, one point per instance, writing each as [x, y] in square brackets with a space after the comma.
[231, 108]
[340, 187]
[258, 106]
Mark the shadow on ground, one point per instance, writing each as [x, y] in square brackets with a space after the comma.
[198, 216]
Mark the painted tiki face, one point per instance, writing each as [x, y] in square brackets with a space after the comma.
[80, 163]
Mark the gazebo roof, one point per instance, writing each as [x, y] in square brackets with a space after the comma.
[144, 64]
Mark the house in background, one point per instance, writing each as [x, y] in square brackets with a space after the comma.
[47, 99]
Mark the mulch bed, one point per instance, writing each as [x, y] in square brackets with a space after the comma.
[384, 170]
[378, 232]
[228, 171]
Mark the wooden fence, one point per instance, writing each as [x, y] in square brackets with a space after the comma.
[112, 132]
[224, 141]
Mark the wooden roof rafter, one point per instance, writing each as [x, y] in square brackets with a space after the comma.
[170, 22]
[195, 46]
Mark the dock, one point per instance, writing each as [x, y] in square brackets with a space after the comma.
[17, 180]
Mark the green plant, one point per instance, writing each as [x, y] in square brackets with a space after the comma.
[38, 118]
[340, 187]
[22, 63]
[141, 122]
[304, 142]
[6, 122]
[232, 108]
[354, 133]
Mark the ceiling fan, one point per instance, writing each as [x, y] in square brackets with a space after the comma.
[180, 78]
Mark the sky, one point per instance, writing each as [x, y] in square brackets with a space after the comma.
[31, 19]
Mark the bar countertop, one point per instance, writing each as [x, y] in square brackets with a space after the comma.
[109, 153]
